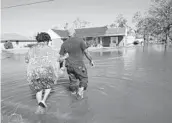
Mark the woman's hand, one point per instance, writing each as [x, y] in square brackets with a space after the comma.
[27, 57]
[63, 68]
[26, 61]
[66, 56]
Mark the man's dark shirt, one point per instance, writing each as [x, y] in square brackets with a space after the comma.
[75, 48]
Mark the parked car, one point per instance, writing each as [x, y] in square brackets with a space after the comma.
[136, 42]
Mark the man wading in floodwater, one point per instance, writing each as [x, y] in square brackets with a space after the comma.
[76, 69]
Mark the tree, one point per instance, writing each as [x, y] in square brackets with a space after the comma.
[143, 25]
[161, 11]
[137, 17]
[140, 24]
[157, 22]
[113, 25]
[120, 21]
[78, 23]
[66, 26]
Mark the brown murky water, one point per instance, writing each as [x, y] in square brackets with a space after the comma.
[129, 85]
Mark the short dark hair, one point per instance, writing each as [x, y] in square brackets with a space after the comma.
[43, 37]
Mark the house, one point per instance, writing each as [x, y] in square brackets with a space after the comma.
[107, 37]
[17, 41]
[57, 37]
[115, 37]
[99, 36]
[93, 35]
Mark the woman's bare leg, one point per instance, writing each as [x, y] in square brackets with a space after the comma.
[39, 99]
[46, 94]
[39, 96]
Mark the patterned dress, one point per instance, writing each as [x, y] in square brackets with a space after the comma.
[43, 67]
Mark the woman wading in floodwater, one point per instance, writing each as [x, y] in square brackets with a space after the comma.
[41, 70]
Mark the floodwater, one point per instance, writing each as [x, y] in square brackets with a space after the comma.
[128, 85]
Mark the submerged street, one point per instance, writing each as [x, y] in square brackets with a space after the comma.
[127, 85]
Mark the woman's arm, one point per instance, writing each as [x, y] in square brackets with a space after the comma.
[62, 58]
[27, 57]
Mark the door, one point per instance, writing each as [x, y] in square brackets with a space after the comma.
[106, 41]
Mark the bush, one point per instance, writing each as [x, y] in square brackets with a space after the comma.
[8, 45]
[30, 45]
[136, 42]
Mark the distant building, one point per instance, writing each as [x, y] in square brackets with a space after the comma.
[18, 41]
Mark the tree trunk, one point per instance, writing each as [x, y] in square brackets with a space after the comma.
[169, 39]
[144, 38]
[166, 38]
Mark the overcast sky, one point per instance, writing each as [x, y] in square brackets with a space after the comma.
[27, 20]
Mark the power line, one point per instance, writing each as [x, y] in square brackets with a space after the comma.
[26, 4]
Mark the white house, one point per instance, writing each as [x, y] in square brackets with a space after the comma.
[57, 37]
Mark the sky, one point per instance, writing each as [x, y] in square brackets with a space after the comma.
[28, 20]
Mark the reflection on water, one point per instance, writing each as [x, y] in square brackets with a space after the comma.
[116, 53]
[127, 85]
[5, 55]
[158, 48]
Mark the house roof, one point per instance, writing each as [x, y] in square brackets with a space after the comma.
[14, 37]
[61, 33]
[115, 31]
[91, 32]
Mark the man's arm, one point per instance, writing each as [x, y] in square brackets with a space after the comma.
[87, 54]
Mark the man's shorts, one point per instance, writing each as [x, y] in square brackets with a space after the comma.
[77, 72]
[61, 64]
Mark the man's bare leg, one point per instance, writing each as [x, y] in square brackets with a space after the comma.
[81, 92]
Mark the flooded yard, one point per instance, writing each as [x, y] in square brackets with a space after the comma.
[127, 85]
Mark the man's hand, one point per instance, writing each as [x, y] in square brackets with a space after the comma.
[91, 63]
[63, 57]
